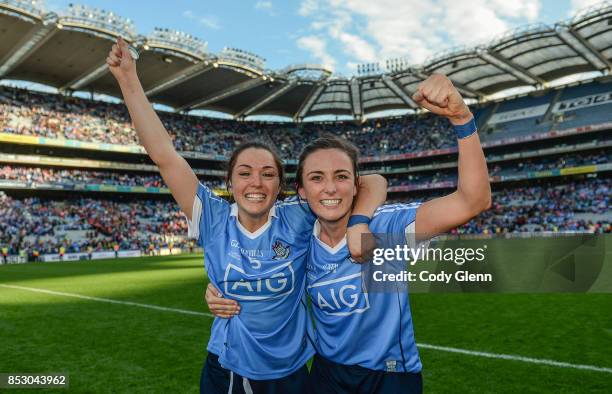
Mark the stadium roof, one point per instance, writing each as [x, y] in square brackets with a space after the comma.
[68, 51]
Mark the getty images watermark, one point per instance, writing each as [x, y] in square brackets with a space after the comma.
[509, 263]
[423, 253]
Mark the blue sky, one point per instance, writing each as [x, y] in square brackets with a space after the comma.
[337, 33]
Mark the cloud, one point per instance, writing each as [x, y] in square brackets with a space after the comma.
[368, 30]
[317, 46]
[358, 47]
[577, 5]
[209, 21]
[266, 6]
[263, 5]
[308, 7]
[517, 9]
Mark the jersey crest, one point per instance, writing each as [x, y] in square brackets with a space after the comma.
[281, 251]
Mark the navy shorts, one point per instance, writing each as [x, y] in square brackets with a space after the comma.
[217, 380]
[327, 377]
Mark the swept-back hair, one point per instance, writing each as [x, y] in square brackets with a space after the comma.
[328, 141]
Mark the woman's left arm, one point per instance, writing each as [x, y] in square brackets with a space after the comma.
[371, 194]
[473, 194]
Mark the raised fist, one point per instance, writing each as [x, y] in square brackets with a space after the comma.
[120, 62]
[438, 95]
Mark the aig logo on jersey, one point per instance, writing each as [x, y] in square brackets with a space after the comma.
[278, 282]
[341, 296]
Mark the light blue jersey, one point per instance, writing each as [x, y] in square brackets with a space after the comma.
[373, 330]
[265, 272]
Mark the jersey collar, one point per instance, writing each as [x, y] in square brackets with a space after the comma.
[316, 230]
[259, 231]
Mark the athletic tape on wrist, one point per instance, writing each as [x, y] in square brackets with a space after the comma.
[465, 130]
[358, 219]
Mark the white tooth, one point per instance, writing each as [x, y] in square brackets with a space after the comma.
[255, 196]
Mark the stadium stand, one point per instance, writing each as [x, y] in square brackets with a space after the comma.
[76, 178]
[547, 208]
[39, 175]
[54, 116]
[524, 115]
[584, 104]
[81, 225]
[44, 225]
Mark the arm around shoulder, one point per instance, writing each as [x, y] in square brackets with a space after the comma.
[372, 194]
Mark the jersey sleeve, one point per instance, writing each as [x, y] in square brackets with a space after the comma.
[401, 218]
[410, 231]
[296, 213]
[208, 216]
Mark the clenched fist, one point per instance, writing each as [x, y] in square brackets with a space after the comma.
[438, 95]
[120, 62]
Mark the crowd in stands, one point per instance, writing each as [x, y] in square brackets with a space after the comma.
[573, 159]
[547, 208]
[87, 224]
[49, 115]
[54, 116]
[522, 166]
[45, 226]
[38, 175]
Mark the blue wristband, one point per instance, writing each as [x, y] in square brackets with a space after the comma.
[465, 130]
[358, 219]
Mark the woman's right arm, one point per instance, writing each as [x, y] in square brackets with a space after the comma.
[219, 306]
[473, 194]
[174, 169]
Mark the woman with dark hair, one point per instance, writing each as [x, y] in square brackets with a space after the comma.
[365, 340]
[255, 251]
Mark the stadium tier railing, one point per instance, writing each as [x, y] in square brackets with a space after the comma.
[491, 158]
[99, 255]
[557, 172]
[87, 163]
[84, 187]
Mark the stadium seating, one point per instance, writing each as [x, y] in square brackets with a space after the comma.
[529, 125]
[584, 115]
[54, 116]
[47, 224]
[98, 223]
[37, 175]
[101, 223]
[543, 208]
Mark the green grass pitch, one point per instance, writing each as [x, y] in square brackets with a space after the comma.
[110, 347]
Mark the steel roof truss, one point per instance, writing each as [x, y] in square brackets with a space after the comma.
[36, 37]
[307, 105]
[395, 88]
[265, 100]
[179, 77]
[231, 91]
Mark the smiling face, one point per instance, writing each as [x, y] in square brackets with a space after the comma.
[255, 183]
[328, 184]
